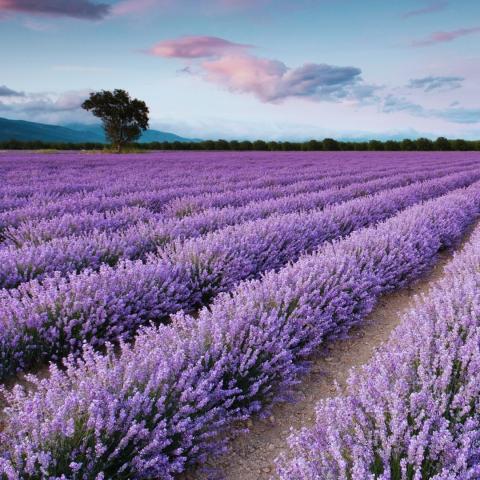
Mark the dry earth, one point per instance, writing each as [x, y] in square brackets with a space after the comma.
[251, 455]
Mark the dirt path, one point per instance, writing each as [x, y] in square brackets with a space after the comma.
[251, 456]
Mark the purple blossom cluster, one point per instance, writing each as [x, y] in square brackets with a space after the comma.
[50, 212]
[163, 402]
[50, 319]
[413, 412]
[147, 233]
[152, 192]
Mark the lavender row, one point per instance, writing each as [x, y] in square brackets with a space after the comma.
[51, 319]
[187, 204]
[123, 184]
[116, 182]
[36, 232]
[91, 251]
[155, 200]
[74, 254]
[91, 206]
[164, 403]
[32, 173]
[120, 180]
[414, 410]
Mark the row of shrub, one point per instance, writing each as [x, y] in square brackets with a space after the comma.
[328, 144]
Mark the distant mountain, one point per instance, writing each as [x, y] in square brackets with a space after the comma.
[71, 133]
[148, 136]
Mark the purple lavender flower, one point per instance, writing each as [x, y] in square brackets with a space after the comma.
[163, 402]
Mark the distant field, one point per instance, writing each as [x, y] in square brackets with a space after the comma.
[184, 293]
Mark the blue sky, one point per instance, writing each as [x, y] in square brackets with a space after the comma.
[250, 68]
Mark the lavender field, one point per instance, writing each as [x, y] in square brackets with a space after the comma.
[155, 306]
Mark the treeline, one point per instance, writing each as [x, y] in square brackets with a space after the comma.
[328, 144]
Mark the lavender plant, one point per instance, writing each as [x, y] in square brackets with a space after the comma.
[51, 319]
[162, 403]
[413, 412]
[74, 254]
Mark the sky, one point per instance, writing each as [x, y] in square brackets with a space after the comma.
[272, 69]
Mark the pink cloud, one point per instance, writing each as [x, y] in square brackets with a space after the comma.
[231, 66]
[137, 7]
[196, 47]
[433, 7]
[272, 81]
[128, 7]
[84, 9]
[441, 37]
[246, 74]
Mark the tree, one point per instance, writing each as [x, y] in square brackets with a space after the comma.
[460, 144]
[259, 145]
[391, 145]
[408, 145]
[424, 144]
[375, 145]
[123, 118]
[330, 144]
[441, 143]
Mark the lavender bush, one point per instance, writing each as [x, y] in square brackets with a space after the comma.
[162, 403]
[74, 254]
[171, 199]
[48, 320]
[413, 412]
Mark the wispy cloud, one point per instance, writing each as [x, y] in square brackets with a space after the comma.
[461, 115]
[430, 83]
[392, 104]
[196, 47]
[432, 7]
[46, 107]
[8, 92]
[442, 37]
[83, 9]
[128, 7]
[80, 69]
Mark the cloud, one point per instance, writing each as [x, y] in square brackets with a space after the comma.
[8, 92]
[432, 7]
[442, 37]
[273, 81]
[84, 9]
[128, 7]
[231, 65]
[46, 107]
[460, 115]
[80, 69]
[427, 84]
[392, 104]
[196, 47]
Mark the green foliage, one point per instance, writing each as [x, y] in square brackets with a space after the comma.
[328, 144]
[123, 118]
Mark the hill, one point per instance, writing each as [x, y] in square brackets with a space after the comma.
[72, 133]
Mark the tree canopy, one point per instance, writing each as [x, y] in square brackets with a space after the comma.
[124, 118]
